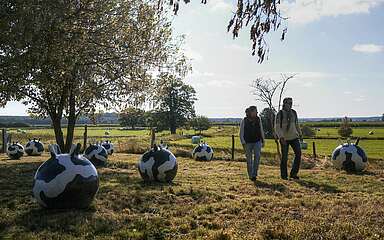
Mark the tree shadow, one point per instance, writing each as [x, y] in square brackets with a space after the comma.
[273, 187]
[318, 187]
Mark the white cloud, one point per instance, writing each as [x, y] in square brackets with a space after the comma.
[368, 48]
[359, 99]
[306, 11]
[219, 6]
[220, 83]
[348, 93]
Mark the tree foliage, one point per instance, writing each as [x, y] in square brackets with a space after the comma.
[63, 58]
[307, 131]
[132, 117]
[200, 123]
[345, 129]
[260, 16]
[267, 118]
[175, 102]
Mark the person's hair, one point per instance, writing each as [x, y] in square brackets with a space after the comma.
[285, 100]
[249, 110]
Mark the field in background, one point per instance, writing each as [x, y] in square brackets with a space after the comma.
[219, 137]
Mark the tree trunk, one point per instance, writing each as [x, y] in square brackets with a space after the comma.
[56, 122]
[71, 122]
[272, 120]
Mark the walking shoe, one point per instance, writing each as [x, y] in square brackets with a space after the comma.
[295, 177]
[253, 178]
[284, 178]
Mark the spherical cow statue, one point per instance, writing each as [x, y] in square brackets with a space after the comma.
[108, 146]
[65, 181]
[202, 152]
[15, 151]
[158, 164]
[34, 147]
[349, 157]
[97, 154]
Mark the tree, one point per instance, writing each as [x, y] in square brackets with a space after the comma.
[132, 117]
[345, 129]
[64, 58]
[175, 102]
[308, 131]
[267, 118]
[261, 16]
[200, 123]
[382, 118]
[265, 90]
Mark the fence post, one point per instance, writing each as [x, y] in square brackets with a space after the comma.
[153, 137]
[233, 147]
[314, 149]
[4, 139]
[85, 137]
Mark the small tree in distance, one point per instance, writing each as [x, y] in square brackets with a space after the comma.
[132, 117]
[200, 123]
[345, 129]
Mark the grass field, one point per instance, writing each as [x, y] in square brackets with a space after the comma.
[136, 141]
[213, 200]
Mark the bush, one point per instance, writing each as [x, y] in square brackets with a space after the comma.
[308, 131]
[345, 129]
[200, 123]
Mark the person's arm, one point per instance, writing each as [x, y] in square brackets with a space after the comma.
[262, 132]
[298, 127]
[278, 129]
[242, 140]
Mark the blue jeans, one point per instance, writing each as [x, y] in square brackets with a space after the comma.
[253, 154]
[295, 144]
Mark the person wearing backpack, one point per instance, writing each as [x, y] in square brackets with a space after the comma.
[252, 139]
[289, 133]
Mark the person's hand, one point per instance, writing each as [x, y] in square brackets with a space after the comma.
[262, 144]
[282, 141]
[243, 146]
[301, 139]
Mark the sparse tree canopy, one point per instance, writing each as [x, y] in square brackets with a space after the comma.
[132, 117]
[260, 16]
[63, 58]
[176, 101]
[200, 123]
[345, 129]
[267, 118]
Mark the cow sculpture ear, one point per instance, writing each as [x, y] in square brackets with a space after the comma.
[76, 151]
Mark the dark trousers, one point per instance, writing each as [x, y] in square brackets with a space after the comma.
[295, 144]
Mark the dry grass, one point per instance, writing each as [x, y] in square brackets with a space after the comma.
[207, 200]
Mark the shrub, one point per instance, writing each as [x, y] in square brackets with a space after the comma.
[345, 129]
[308, 131]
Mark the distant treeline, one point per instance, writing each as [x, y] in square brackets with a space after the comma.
[337, 124]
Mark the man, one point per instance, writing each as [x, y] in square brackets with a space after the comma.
[252, 139]
[288, 131]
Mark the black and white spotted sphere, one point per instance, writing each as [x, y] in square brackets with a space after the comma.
[158, 165]
[34, 148]
[349, 157]
[108, 146]
[65, 181]
[97, 154]
[15, 151]
[202, 152]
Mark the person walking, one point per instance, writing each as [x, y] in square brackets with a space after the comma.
[252, 139]
[289, 133]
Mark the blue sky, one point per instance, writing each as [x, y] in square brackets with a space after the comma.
[335, 46]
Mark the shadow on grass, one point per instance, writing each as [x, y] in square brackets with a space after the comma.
[318, 187]
[273, 187]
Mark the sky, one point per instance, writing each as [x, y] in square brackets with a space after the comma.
[335, 48]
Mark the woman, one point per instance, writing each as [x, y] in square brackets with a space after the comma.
[252, 139]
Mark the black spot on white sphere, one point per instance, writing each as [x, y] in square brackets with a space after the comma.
[202, 152]
[15, 151]
[349, 157]
[66, 181]
[158, 165]
[34, 148]
[97, 154]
